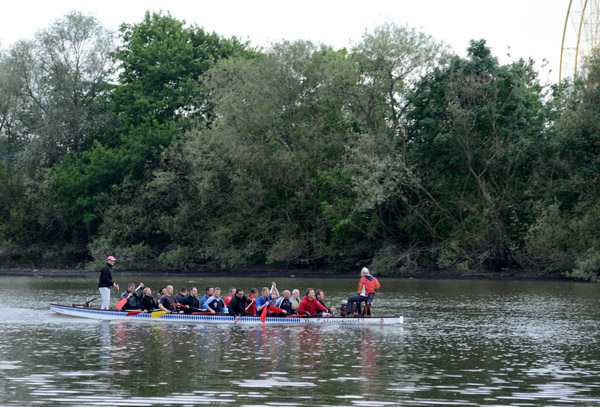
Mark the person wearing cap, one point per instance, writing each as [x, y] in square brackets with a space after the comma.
[106, 283]
[366, 285]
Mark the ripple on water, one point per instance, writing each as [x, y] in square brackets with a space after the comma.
[9, 364]
[463, 344]
[175, 399]
[272, 382]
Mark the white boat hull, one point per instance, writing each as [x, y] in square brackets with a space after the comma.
[110, 315]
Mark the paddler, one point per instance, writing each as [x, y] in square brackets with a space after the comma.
[310, 307]
[295, 299]
[265, 298]
[147, 304]
[166, 301]
[133, 295]
[320, 295]
[238, 306]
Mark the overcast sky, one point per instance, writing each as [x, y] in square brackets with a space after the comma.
[521, 28]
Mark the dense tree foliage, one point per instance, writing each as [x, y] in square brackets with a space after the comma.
[181, 149]
[159, 61]
[475, 129]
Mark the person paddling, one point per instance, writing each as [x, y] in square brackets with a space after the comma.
[310, 307]
[215, 303]
[238, 306]
[265, 298]
[147, 304]
[192, 300]
[230, 296]
[208, 293]
[285, 303]
[182, 294]
[133, 297]
[320, 295]
[166, 301]
[106, 283]
[252, 297]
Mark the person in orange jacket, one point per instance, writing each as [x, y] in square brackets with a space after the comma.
[366, 285]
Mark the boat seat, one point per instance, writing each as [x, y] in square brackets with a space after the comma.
[368, 301]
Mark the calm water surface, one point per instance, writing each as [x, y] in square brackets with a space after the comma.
[463, 343]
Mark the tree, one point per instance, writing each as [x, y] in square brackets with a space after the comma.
[370, 211]
[280, 171]
[11, 140]
[61, 75]
[474, 132]
[251, 179]
[387, 64]
[160, 60]
[563, 236]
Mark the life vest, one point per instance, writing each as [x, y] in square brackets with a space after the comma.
[367, 284]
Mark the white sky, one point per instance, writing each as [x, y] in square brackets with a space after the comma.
[521, 28]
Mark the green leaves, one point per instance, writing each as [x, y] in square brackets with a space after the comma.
[203, 152]
[152, 104]
[475, 124]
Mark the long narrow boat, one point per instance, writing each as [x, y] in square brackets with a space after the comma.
[114, 315]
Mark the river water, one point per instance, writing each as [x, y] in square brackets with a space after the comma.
[463, 343]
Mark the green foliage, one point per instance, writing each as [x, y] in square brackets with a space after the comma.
[57, 80]
[134, 257]
[160, 60]
[588, 267]
[204, 153]
[476, 125]
[179, 258]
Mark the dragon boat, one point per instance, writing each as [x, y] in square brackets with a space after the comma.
[80, 311]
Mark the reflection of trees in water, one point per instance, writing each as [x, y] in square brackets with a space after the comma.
[370, 366]
[158, 355]
[255, 350]
[179, 358]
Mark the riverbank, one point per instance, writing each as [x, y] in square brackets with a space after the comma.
[296, 273]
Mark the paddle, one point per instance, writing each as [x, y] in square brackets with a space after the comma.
[263, 315]
[270, 308]
[130, 313]
[93, 299]
[194, 309]
[249, 305]
[157, 314]
[119, 305]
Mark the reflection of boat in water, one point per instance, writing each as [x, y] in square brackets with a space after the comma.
[114, 315]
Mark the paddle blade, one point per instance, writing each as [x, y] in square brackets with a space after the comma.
[130, 313]
[263, 315]
[275, 309]
[121, 304]
[158, 314]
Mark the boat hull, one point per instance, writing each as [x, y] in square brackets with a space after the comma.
[110, 315]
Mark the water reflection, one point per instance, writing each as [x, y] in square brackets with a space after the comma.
[463, 343]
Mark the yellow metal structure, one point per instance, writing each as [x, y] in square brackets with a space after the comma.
[577, 44]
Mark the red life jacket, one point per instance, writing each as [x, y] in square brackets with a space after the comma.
[369, 284]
